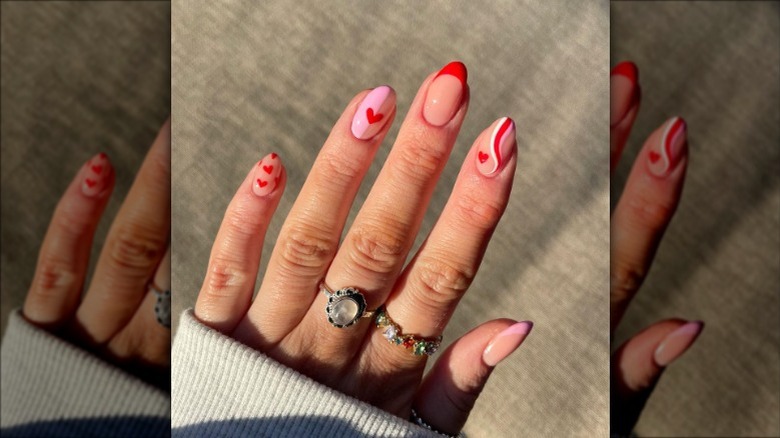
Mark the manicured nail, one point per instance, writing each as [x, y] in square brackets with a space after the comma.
[373, 112]
[445, 94]
[677, 342]
[624, 90]
[267, 175]
[95, 178]
[504, 343]
[492, 156]
[663, 157]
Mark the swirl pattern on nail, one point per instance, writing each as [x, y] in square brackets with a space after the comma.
[490, 160]
[662, 159]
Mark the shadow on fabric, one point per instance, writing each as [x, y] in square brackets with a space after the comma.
[123, 427]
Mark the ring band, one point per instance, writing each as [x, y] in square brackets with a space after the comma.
[393, 333]
[345, 306]
[414, 418]
[162, 308]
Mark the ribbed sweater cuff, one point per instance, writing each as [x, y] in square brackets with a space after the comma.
[221, 387]
[52, 388]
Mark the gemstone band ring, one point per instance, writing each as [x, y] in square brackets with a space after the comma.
[345, 306]
[392, 332]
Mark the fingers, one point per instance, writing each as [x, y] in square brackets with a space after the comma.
[637, 365]
[441, 272]
[310, 235]
[134, 246]
[453, 385]
[64, 256]
[644, 210]
[235, 257]
[625, 96]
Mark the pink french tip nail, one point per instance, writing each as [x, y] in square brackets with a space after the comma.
[96, 175]
[445, 94]
[373, 112]
[507, 341]
[492, 156]
[624, 85]
[267, 175]
[677, 342]
[664, 156]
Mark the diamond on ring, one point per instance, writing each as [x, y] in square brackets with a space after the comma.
[392, 332]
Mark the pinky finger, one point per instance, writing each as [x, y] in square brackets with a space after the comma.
[451, 388]
[62, 261]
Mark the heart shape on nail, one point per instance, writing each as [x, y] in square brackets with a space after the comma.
[482, 157]
[262, 183]
[373, 118]
[97, 168]
[90, 182]
[654, 156]
[268, 169]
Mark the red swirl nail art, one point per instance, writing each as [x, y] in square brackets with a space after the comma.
[492, 157]
[665, 155]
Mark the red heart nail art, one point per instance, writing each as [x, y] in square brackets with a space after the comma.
[654, 156]
[262, 183]
[273, 155]
[373, 118]
[482, 157]
[90, 182]
[268, 169]
[97, 169]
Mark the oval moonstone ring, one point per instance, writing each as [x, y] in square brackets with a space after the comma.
[345, 306]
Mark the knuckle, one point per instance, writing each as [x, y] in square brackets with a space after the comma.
[224, 280]
[650, 214]
[421, 161]
[376, 249]
[306, 250]
[54, 278]
[342, 171]
[440, 283]
[625, 281]
[135, 248]
[243, 223]
[478, 212]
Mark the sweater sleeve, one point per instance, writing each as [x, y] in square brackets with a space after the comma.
[52, 388]
[221, 387]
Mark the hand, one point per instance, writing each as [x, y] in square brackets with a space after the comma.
[645, 208]
[287, 319]
[116, 317]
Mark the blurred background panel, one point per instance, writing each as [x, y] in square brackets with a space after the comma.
[716, 64]
[253, 77]
[76, 78]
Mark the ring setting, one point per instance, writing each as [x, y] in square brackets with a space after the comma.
[345, 306]
[393, 333]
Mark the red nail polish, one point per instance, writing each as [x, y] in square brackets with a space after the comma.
[664, 155]
[445, 94]
[624, 81]
[267, 175]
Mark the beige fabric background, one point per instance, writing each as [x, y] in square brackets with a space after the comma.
[717, 64]
[77, 78]
[254, 77]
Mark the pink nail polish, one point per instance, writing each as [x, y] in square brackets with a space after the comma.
[504, 343]
[665, 155]
[268, 173]
[95, 177]
[373, 112]
[677, 342]
[492, 156]
[445, 94]
[624, 85]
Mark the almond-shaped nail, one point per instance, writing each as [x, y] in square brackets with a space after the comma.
[677, 342]
[445, 94]
[493, 154]
[267, 174]
[664, 156]
[96, 175]
[624, 90]
[504, 343]
[372, 113]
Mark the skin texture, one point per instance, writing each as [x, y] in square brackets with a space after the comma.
[645, 209]
[116, 318]
[286, 320]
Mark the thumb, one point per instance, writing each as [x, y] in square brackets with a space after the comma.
[453, 385]
[638, 363]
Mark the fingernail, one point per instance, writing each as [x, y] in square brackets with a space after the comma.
[624, 86]
[267, 175]
[445, 94]
[373, 112]
[677, 342]
[95, 179]
[665, 155]
[504, 343]
[493, 154]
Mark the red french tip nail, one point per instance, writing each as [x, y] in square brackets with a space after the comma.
[627, 69]
[457, 69]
